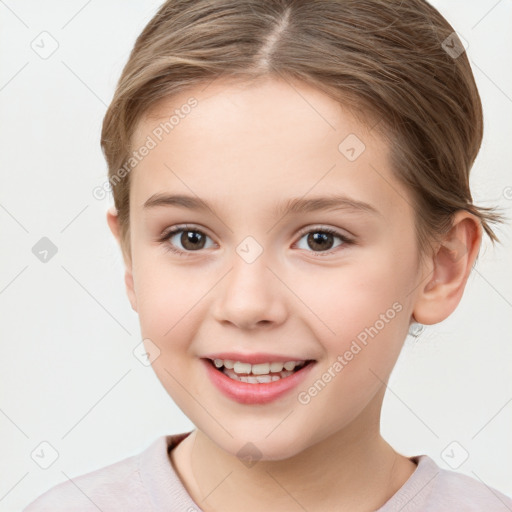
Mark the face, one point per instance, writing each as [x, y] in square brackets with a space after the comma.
[266, 271]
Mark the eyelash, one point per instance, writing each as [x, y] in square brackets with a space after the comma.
[164, 239]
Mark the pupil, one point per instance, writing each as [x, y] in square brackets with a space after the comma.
[191, 237]
[317, 238]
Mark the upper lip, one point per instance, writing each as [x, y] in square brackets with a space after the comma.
[255, 358]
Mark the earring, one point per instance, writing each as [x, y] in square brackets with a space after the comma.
[416, 329]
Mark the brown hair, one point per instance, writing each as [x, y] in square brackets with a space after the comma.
[388, 59]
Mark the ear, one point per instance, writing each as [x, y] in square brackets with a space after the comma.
[113, 223]
[450, 267]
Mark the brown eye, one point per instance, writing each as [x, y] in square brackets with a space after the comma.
[183, 240]
[192, 240]
[322, 240]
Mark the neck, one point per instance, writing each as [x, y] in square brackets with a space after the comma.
[353, 469]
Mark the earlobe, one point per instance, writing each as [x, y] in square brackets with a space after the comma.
[130, 289]
[442, 289]
[113, 223]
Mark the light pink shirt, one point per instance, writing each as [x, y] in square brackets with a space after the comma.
[147, 482]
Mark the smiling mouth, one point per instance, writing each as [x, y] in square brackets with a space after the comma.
[262, 373]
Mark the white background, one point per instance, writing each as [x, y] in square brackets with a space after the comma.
[68, 375]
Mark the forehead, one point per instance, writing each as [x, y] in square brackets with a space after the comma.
[259, 142]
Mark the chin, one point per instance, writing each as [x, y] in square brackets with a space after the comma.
[251, 445]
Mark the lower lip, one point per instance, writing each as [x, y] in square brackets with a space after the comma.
[261, 393]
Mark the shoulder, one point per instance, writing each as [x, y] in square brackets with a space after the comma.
[116, 487]
[457, 491]
[434, 489]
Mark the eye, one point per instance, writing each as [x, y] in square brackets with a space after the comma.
[321, 239]
[191, 240]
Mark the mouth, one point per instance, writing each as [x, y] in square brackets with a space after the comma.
[258, 373]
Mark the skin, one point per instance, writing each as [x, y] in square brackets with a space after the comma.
[244, 148]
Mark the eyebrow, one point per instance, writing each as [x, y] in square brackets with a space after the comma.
[294, 205]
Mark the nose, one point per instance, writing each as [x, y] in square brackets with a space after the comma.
[250, 296]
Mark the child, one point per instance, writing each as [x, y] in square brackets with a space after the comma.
[260, 131]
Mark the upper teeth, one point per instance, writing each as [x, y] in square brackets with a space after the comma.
[256, 369]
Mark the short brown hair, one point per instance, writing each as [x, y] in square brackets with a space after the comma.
[387, 59]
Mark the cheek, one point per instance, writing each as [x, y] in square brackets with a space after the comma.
[369, 319]
[166, 296]
[357, 296]
[170, 311]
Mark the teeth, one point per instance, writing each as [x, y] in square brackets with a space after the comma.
[257, 379]
[242, 367]
[260, 369]
[265, 379]
[276, 367]
[257, 369]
